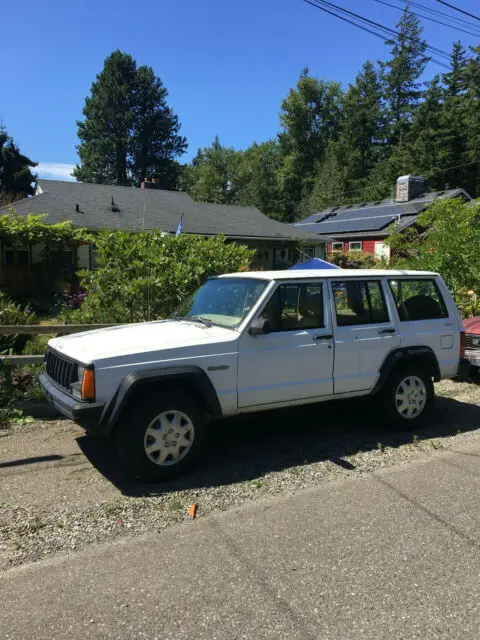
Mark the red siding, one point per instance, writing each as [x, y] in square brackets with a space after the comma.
[368, 245]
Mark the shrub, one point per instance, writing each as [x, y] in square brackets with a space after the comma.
[353, 260]
[14, 314]
[446, 239]
[144, 276]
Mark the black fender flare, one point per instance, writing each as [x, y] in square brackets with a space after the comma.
[134, 381]
[405, 355]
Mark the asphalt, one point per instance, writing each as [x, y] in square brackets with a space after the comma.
[389, 555]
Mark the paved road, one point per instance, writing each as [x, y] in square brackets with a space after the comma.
[391, 555]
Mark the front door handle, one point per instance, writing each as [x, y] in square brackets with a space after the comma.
[383, 331]
[322, 337]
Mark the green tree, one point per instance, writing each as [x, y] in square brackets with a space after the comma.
[128, 130]
[214, 174]
[258, 178]
[401, 75]
[16, 178]
[310, 117]
[445, 239]
[363, 123]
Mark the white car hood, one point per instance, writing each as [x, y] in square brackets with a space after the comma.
[139, 338]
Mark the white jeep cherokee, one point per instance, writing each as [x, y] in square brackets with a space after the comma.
[246, 342]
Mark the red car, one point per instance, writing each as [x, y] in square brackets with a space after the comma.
[472, 340]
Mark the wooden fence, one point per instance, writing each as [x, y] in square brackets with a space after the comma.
[41, 329]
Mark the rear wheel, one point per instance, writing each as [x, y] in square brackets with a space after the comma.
[161, 438]
[407, 398]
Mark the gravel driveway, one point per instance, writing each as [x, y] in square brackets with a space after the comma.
[60, 490]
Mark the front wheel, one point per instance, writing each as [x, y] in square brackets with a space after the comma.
[408, 398]
[162, 437]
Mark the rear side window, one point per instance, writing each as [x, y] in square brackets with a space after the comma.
[359, 302]
[418, 299]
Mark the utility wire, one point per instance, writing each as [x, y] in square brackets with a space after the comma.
[419, 15]
[445, 54]
[443, 14]
[458, 9]
[378, 35]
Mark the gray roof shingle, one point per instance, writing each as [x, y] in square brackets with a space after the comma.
[151, 209]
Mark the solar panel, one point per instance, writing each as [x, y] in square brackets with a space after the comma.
[351, 224]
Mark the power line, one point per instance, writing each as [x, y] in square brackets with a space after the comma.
[383, 37]
[445, 54]
[443, 14]
[458, 9]
[419, 15]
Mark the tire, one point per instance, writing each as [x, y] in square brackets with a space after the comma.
[407, 399]
[162, 437]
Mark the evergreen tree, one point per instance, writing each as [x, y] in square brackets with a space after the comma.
[16, 179]
[310, 117]
[214, 175]
[401, 75]
[258, 178]
[128, 130]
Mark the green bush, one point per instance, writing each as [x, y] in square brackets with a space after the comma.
[144, 276]
[13, 314]
[446, 239]
[354, 260]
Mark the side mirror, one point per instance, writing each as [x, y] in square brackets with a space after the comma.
[259, 326]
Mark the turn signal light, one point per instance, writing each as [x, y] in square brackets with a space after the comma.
[462, 345]
[88, 385]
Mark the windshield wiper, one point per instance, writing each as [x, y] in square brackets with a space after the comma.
[204, 321]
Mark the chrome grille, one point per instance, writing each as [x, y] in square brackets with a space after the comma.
[60, 370]
[469, 338]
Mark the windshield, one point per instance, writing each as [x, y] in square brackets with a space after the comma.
[222, 301]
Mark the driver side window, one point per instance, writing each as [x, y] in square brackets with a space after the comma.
[294, 307]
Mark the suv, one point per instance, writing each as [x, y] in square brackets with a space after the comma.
[247, 342]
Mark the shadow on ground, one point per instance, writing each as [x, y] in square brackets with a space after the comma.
[245, 448]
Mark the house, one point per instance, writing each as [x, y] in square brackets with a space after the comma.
[96, 207]
[365, 227]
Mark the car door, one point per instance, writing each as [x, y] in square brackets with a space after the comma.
[294, 360]
[365, 330]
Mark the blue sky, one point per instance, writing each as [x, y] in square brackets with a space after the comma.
[227, 64]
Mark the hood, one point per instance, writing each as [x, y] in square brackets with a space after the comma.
[138, 338]
[472, 325]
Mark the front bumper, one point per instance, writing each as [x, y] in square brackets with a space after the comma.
[86, 414]
[473, 357]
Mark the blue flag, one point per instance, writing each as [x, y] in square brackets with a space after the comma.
[180, 226]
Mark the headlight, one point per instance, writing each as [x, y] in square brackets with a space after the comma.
[84, 388]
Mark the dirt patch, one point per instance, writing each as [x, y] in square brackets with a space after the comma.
[61, 490]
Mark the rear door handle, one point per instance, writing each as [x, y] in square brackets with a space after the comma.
[383, 331]
[322, 337]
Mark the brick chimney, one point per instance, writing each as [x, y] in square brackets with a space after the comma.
[151, 182]
[409, 187]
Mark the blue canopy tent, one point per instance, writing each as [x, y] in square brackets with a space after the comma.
[315, 263]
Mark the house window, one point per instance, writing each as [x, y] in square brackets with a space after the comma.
[308, 252]
[93, 257]
[283, 257]
[355, 246]
[337, 246]
[17, 256]
[62, 259]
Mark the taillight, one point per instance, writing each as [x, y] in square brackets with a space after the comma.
[462, 344]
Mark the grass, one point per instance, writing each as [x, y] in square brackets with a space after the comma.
[176, 505]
